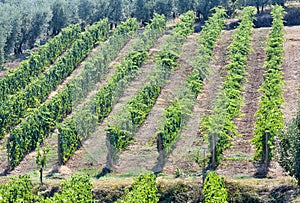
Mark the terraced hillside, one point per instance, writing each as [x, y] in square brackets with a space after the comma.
[161, 98]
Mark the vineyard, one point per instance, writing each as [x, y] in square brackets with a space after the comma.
[94, 107]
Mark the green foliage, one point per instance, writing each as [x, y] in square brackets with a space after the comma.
[207, 39]
[41, 159]
[78, 189]
[19, 189]
[136, 110]
[218, 127]
[37, 126]
[158, 22]
[288, 148]
[238, 52]
[178, 111]
[172, 125]
[214, 190]
[76, 129]
[205, 8]
[41, 121]
[29, 20]
[25, 22]
[19, 105]
[186, 25]
[127, 26]
[59, 16]
[140, 105]
[17, 78]
[144, 189]
[269, 115]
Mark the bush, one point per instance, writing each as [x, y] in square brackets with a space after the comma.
[214, 189]
[288, 149]
[144, 189]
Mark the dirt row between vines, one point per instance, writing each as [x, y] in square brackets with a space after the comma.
[291, 69]
[92, 156]
[141, 154]
[67, 80]
[181, 159]
[28, 164]
[237, 162]
[242, 150]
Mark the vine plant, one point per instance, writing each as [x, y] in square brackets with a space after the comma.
[179, 110]
[17, 78]
[270, 121]
[218, 127]
[75, 130]
[214, 189]
[42, 120]
[144, 189]
[20, 105]
[136, 110]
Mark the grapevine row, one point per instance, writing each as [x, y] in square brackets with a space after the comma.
[22, 75]
[18, 106]
[270, 119]
[218, 127]
[21, 189]
[75, 130]
[24, 137]
[178, 112]
[136, 110]
[144, 189]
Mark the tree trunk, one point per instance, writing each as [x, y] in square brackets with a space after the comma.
[18, 49]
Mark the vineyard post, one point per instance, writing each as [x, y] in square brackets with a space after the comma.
[160, 148]
[204, 167]
[8, 154]
[109, 163]
[267, 151]
[59, 150]
[213, 140]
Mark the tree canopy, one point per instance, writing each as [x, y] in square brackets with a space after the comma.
[26, 23]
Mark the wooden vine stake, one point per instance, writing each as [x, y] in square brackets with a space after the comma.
[204, 166]
[109, 163]
[160, 148]
[213, 143]
[267, 151]
[59, 150]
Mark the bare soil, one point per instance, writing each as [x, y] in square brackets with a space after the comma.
[237, 161]
[141, 154]
[291, 69]
[14, 63]
[28, 164]
[182, 158]
[243, 151]
[93, 154]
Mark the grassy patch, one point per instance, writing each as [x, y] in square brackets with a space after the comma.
[239, 156]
